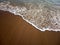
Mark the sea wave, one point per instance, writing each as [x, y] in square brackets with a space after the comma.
[41, 16]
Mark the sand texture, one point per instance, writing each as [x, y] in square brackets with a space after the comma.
[16, 31]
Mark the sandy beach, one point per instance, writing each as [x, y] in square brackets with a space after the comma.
[16, 31]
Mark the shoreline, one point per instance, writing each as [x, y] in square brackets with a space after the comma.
[22, 10]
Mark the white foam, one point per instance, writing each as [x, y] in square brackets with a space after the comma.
[22, 10]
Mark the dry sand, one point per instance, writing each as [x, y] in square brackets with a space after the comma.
[15, 31]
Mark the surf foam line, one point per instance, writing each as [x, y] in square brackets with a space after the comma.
[21, 11]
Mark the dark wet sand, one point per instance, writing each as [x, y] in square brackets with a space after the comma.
[15, 31]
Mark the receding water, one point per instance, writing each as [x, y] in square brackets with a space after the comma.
[57, 2]
[40, 13]
[36, 1]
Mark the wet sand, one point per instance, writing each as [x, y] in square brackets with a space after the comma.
[15, 31]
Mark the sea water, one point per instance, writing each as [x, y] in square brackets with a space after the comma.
[39, 13]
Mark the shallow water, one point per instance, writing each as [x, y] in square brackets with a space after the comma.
[40, 15]
[57, 2]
